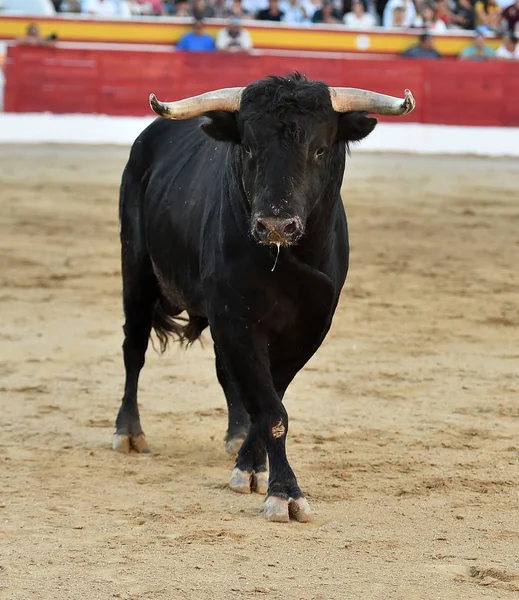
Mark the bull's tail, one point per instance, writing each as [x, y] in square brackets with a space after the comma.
[181, 329]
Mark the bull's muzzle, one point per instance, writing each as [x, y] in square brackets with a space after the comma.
[277, 231]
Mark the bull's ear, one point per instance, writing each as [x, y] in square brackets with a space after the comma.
[222, 126]
[355, 126]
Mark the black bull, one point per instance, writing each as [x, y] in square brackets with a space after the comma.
[207, 207]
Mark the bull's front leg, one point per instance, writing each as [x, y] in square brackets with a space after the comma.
[244, 353]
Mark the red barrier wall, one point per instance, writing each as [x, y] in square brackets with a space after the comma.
[118, 82]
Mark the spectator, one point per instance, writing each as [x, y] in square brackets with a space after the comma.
[272, 13]
[60, 5]
[33, 37]
[196, 40]
[103, 8]
[253, 7]
[358, 18]
[464, 16]
[428, 19]
[511, 16]
[200, 10]
[146, 7]
[338, 5]
[168, 6]
[424, 49]
[409, 13]
[444, 12]
[293, 11]
[70, 6]
[221, 9]
[398, 17]
[180, 8]
[327, 14]
[237, 10]
[311, 7]
[488, 15]
[234, 38]
[157, 7]
[509, 50]
[478, 50]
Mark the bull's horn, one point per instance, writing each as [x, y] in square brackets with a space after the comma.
[226, 99]
[346, 99]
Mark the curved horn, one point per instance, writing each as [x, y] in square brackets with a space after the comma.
[346, 99]
[227, 99]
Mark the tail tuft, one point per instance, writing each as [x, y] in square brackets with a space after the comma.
[185, 330]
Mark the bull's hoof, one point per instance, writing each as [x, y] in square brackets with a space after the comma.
[244, 482]
[300, 510]
[126, 443]
[260, 482]
[233, 445]
[240, 481]
[279, 510]
[275, 509]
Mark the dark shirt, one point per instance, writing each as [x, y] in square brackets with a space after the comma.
[511, 16]
[318, 16]
[207, 13]
[468, 15]
[265, 15]
[419, 52]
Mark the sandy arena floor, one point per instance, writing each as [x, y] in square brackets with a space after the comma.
[404, 427]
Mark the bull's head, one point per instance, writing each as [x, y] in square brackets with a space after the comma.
[290, 136]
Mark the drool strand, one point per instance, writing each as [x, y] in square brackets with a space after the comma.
[277, 256]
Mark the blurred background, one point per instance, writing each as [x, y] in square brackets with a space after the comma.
[105, 56]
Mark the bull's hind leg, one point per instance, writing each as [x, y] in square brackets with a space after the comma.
[238, 417]
[251, 470]
[139, 298]
[140, 295]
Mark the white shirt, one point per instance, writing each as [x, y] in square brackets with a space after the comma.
[292, 13]
[409, 16]
[254, 6]
[438, 25]
[105, 8]
[502, 52]
[224, 40]
[310, 8]
[351, 20]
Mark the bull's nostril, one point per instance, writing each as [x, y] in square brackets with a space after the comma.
[261, 228]
[291, 228]
[274, 230]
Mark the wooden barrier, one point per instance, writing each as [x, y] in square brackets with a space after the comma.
[274, 36]
[118, 82]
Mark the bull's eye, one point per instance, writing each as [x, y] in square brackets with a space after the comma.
[319, 153]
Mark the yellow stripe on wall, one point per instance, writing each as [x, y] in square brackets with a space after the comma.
[286, 39]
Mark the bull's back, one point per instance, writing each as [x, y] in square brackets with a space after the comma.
[177, 156]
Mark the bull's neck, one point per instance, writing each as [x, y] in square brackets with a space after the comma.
[320, 227]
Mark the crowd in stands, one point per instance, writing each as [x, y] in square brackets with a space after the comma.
[487, 16]
[234, 38]
[484, 17]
